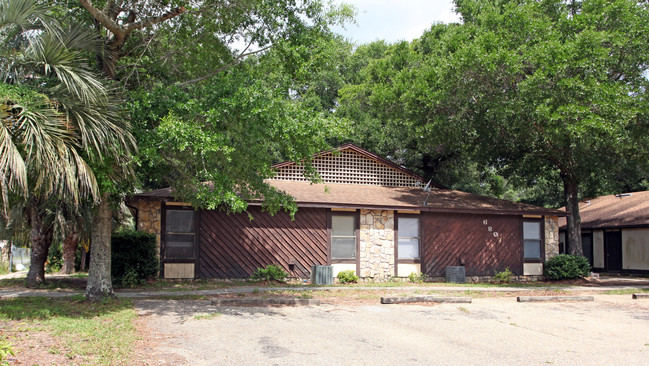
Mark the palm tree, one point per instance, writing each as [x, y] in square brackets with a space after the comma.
[59, 121]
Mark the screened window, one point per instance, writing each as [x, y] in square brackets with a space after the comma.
[408, 244]
[343, 237]
[532, 239]
[179, 234]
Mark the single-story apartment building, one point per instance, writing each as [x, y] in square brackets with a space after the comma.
[368, 215]
[614, 232]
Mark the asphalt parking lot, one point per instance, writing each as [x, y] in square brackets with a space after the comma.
[612, 330]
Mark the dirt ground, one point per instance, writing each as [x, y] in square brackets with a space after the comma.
[491, 330]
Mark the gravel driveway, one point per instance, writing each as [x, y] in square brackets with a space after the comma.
[613, 330]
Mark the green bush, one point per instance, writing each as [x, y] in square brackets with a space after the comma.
[134, 258]
[4, 268]
[270, 273]
[504, 276]
[54, 258]
[417, 277]
[347, 276]
[566, 266]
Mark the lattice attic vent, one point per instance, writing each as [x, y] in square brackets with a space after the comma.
[350, 167]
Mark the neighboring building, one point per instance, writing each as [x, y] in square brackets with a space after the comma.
[615, 232]
[369, 215]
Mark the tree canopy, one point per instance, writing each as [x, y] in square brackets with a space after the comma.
[540, 90]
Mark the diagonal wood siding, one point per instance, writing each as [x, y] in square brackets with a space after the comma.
[232, 246]
[451, 237]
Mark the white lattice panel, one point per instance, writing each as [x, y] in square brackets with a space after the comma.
[350, 167]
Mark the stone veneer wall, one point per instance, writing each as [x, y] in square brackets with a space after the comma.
[551, 236]
[377, 244]
[149, 218]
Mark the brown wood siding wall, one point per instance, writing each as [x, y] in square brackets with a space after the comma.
[232, 246]
[451, 237]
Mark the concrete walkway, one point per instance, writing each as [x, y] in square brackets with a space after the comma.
[634, 284]
[19, 274]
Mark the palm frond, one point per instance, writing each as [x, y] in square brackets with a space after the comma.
[65, 117]
[17, 16]
[12, 165]
[60, 58]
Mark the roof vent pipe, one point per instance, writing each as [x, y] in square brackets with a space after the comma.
[427, 189]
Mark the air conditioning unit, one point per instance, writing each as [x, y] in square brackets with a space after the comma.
[456, 274]
[322, 275]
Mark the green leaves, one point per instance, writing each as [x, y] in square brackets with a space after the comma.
[527, 88]
[216, 143]
[59, 117]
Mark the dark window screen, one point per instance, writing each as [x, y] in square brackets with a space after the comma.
[179, 234]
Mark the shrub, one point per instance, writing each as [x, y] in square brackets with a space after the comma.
[417, 277]
[4, 268]
[134, 257]
[566, 266]
[270, 273]
[54, 261]
[347, 276]
[504, 276]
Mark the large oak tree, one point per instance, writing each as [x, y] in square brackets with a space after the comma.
[543, 91]
[209, 130]
[555, 86]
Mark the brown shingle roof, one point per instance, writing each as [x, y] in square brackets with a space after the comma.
[358, 196]
[379, 197]
[625, 210]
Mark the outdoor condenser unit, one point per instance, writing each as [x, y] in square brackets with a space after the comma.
[456, 274]
[322, 275]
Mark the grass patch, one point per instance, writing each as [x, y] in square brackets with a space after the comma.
[463, 309]
[207, 316]
[202, 284]
[447, 284]
[351, 294]
[4, 268]
[98, 333]
[296, 294]
[627, 291]
[69, 282]
[12, 282]
[178, 297]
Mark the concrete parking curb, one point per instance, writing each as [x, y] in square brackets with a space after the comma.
[640, 296]
[233, 301]
[409, 299]
[554, 298]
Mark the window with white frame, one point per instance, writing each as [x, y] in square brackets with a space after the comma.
[409, 238]
[179, 234]
[532, 240]
[343, 236]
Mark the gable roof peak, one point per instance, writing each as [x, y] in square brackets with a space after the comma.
[351, 164]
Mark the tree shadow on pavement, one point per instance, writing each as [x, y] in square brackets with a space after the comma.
[187, 309]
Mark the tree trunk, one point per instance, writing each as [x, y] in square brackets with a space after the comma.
[41, 240]
[573, 237]
[84, 259]
[5, 254]
[70, 245]
[100, 285]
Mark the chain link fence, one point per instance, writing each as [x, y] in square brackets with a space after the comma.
[19, 258]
